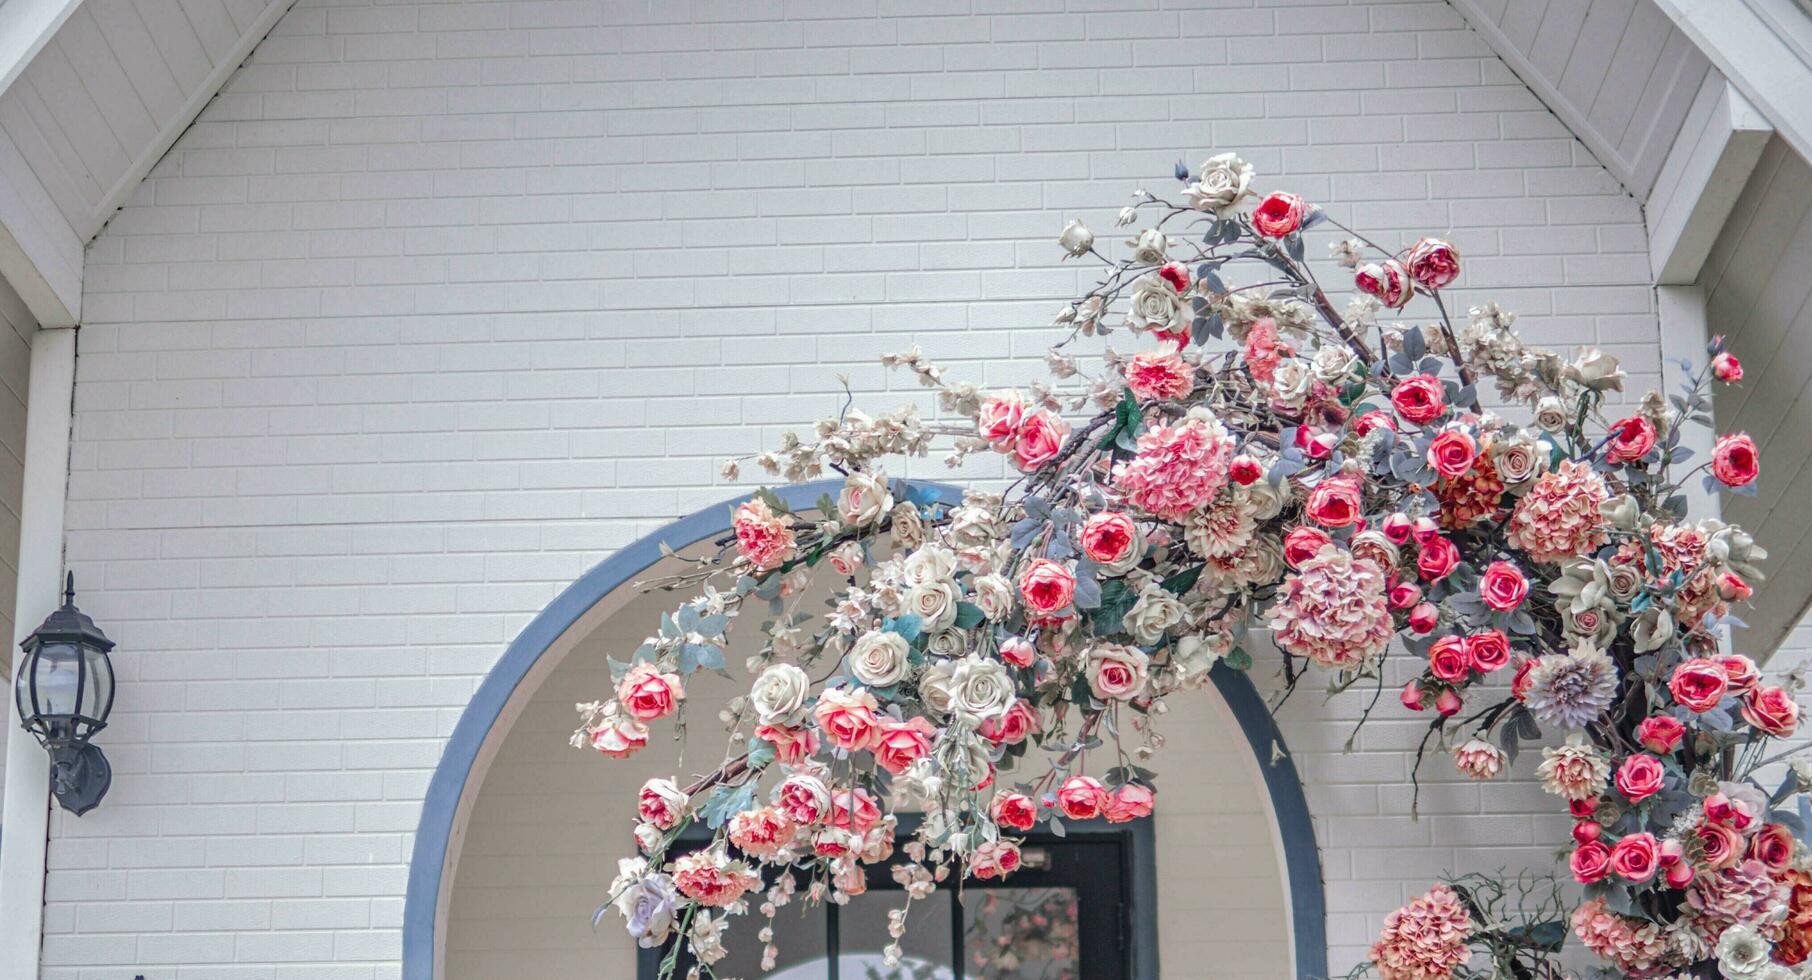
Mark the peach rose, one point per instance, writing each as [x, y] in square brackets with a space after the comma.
[647, 693]
[1109, 537]
[1015, 811]
[791, 745]
[1000, 416]
[1419, 398]
[900, 744]
[1081, 797]
[1279, 214]
[1772, 710]
[1129, 802]
[1040, 439]
[1336, 502]
[1452, 452]
[847, 716]
[1631, 439]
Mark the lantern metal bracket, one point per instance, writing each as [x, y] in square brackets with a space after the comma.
[79, 776]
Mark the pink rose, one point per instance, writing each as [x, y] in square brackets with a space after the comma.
[1279, 214]
[1679, 875]
[1448, 703]
[791, 745]
[1015, 811]
[1433, 263]
[1424, 617]
[1081, 797]
[847, 717]
[1740, 670]
[1636, 857]
[1699, 684]
[1640, 777]
[1772, 710]
[1447, 659]
[1419, 398]
[1660, 734]
[1129, 802]
[1504, 587]
[854, 809]
[1773, 846]
[1040, 439]
[620, 737]
[1437, 558]
[1587, 831]
[1387, 280]
[1734, 460]
[1017, 651]
[900, 744]
[1304, 543]
[1721, 844]
[1000, 416]
[1726, 366]
[1403, 595]
[1046, 586]
[1424, 530]
[1108, 538]
[1488, 651]
[1336, 502]
[1019, 723]
[647, 694]
[1631, 439]
[1590, 862]
[1397, 527]
[1452, 452]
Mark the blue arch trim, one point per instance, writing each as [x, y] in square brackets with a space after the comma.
[433, 834]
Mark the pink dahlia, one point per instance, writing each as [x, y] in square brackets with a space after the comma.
[1637, 947]
[1179, 467]
[1159, 374]
[1746, 894]
[1333, 609]
[1558, 518]
[1424, 940]
[761, 535]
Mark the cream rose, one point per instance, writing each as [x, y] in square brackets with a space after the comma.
[879, 658]
[993, 596]
[1152, 247]
[864, 499]
[1195, 654]
[1156, 611]
[930, 563]
[1156, 305]
[1550, 414]
[1076, 239]
[934, 686]
[934, 603]
[1224, 182]
[778, 695]
[979, 690]
[948, 643]
[1519, 460]
[1117, 672]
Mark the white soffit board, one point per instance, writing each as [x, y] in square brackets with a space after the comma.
[1712, 158]
[1765, 48]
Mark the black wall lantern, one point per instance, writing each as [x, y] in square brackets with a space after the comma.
[63, 690]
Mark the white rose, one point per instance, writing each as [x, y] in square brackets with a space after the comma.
[879, 658]
[980, 690]
[1195, 654]
[1156, 305]
[1076, 239]
[1224, 182]
[864, 499]
[931, 563]
[1155, 612]
[993, 596]
[1152, 247]
[934, 603]
[1333, 363]
[935, 686]
[779, 695]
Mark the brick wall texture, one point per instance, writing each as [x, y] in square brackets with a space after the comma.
[438, 304]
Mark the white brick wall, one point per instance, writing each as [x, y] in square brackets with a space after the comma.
[438, 304]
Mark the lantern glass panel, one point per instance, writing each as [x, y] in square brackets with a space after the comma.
[58, 669]
[97, 700]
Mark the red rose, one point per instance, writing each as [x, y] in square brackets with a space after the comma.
[1452, 452]
[1590, 862]
[1335, 502]
[1631, 439]
[1387, 280]
[1046, 586]
[1433, 263]
[1419, 398]
[1640, 777]
[1741, 670]
[1660, 734]
[1772, 710]
[1504, 587]
[1108, 537]
[1372, 421]
[1279, 214]
[1699, 684]
[1015, 811]
[1726, 366]
[1245, 471]
[1081, 797]
[1397, 527]
[1424, 618]
[1437, 558]
[1519, 682]
[1447, 659]
[1734, 461]
[1773, 846]
[1176, 275]
[1636, 857]
[1488, 651]
[1403, 595]
[1581, 809]
[1587, 831]
[1304, 543]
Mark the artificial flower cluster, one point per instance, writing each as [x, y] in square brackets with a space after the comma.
[1264, 460]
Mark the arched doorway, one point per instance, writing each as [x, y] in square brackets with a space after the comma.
[518, 834]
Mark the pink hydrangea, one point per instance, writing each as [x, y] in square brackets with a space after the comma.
[1264, 350]
[761, 535]
[1637, 947]
[1424, 940]
[1159, 374]
[1558, 518]
[1333, 609]
[1178, 467]
[1747, 894]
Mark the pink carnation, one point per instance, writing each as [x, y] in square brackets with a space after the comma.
[1424, 940]
[1264, 351]
[1558, 518]
[1637, 947]
[1334, 610]
[1178, 468]
[1159, 374]
[761, 535]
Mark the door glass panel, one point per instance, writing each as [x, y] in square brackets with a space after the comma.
[801, 933]
[1022, 934]
[925, 947]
